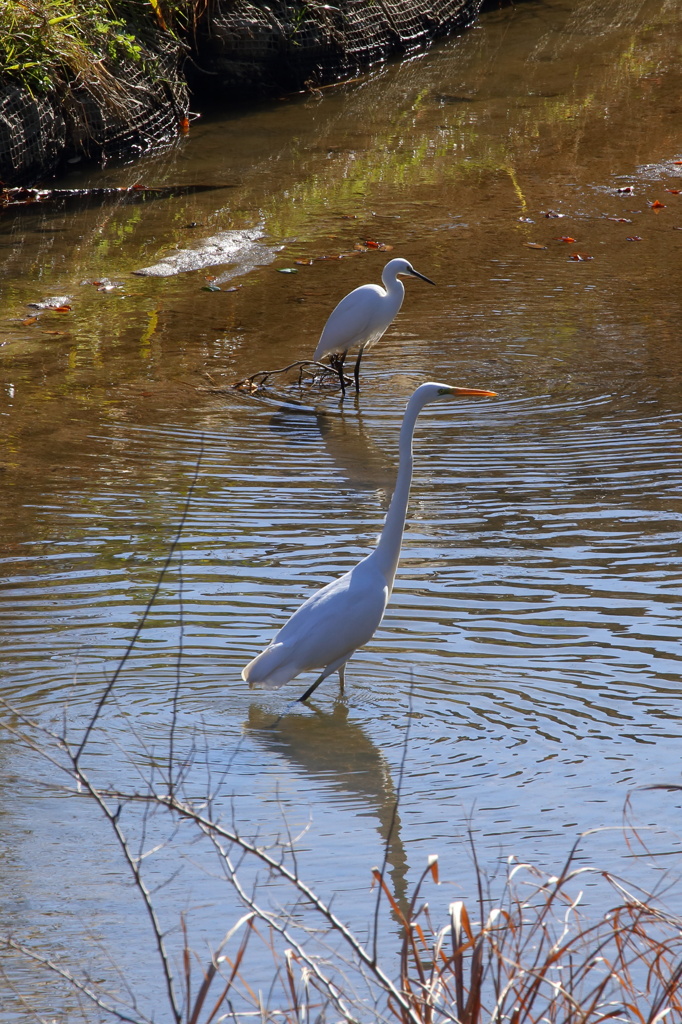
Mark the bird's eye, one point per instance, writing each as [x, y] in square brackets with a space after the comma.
[444, 391]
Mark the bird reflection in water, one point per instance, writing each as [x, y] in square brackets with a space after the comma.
[364, 466]
[339, 757]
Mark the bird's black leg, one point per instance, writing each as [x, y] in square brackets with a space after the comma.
[336, 363]
[311, 689]
[356, 371]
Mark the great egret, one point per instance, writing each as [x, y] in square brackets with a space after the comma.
[330, 626]
[363, 316]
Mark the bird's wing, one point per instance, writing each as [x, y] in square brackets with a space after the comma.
[355, 321]
[331, 624]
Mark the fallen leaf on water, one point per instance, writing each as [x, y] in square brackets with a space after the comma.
[677, 161]
[29, 320]
[656, 205]
[369, 243]
[675, 191]
[349, 216]
[626, 188]
[552, 213]
[621, 220]
[634, 238]
[303, 263]
[526, 220]
[210, 288]
[580, 256]
[287, 270]
[61, 334]
[565, 238]
[534, 245]
[62, 309]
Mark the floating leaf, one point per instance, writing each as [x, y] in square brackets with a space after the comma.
[580, 256]
[526, 220]
[29, 320]
[211, 287]
[633, 238]
[656, 205]
[534, 245]
[565, 238]
[303, 263]
[621, 220]
[552, 213]
[287, 270]
[674, 191]
[626, 189]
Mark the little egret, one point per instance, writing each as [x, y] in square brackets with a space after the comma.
[333, 623]
[363, 316]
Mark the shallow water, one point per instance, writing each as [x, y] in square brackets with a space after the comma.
[532, 641]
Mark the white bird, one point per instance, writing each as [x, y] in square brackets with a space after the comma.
[363, 316]
[338, 619]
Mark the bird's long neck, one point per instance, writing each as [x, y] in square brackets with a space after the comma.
[393, 285]
[387, 551]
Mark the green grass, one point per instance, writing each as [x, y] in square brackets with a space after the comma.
[46, 45]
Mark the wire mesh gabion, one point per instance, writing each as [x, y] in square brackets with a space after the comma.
[288, 45]
[119, 114]
[237, 47]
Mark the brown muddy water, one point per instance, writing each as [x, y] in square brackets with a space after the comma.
[532, 644]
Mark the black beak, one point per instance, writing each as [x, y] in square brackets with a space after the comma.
[415, 273]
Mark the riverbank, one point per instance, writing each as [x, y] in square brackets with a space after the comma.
[87, 79]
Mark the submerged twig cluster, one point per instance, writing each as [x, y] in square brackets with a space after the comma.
[304, 373]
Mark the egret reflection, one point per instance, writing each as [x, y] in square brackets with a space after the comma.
[336, 753]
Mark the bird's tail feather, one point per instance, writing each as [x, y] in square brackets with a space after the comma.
[271, 668]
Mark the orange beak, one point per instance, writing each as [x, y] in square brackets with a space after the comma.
[474, 391]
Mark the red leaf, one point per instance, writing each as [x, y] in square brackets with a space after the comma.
[656, 205]
[580, 256]
[675, 191]
[634, 238]
[626, 188]
[565, 238]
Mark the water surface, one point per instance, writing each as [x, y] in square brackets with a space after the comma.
[532, 642]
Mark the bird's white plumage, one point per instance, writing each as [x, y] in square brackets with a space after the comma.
[362, 317]
[344, 615]
[329, 626]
